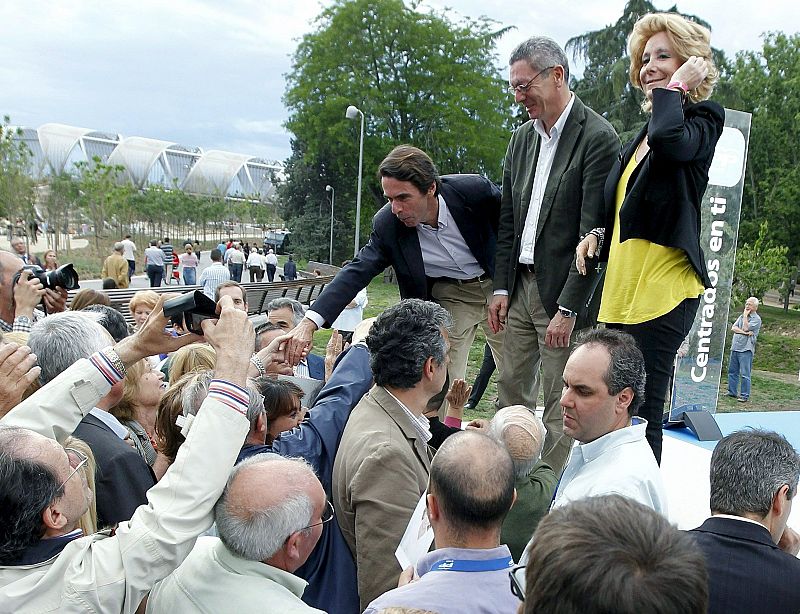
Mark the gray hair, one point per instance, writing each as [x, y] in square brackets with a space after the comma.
[403, 337]
[295, 306]
[747, 468]
[522, 433]
[541, 52]
[257, 534]
[62, 339]
[118, 246]
[626, 364]
[196, 390]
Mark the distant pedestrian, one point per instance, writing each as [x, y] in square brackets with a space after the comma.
[235, 260]
[290, 269]
[745, 332]
[189, 261]
[129, 253]
[168, 250]
[255, 265]
[214, 275]
[271, 261]
[116, 267]
[154, 264]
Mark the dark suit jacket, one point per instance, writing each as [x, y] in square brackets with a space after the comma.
[662, 200]
[572, 205]
[747, 572]
[474, 203]
[290, 270]
[122, 479]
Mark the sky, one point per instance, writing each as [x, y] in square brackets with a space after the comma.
[210, 74]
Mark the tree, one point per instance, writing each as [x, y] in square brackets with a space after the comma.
[101, 193]
[760, 267]
[17, 190]
[419, 78]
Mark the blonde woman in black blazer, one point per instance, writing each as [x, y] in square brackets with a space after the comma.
[656, 268]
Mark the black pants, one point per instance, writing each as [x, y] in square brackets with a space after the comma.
[482, 379]
[659, 341]
[155, 273]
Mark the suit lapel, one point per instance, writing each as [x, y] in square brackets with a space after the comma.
[396, 413]
[408, 241]
[566, 146]
[528, 171]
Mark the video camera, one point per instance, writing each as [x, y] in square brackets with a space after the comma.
[188, 310]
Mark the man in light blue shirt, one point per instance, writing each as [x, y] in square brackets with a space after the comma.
[470, 491]
[213, 276]
[743, 346]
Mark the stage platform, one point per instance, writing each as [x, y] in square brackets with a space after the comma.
[685, 463]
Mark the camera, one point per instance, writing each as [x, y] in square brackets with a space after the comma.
[188, 310]
[63, 277]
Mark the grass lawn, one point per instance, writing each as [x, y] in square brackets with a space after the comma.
[775, 385]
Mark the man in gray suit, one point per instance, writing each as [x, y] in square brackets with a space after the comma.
[555, 169]
[382, 464]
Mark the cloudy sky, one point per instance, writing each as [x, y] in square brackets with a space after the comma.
[211, 74]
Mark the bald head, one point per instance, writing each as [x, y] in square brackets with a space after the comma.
[472, 477]
[522, 434]
[266, 500]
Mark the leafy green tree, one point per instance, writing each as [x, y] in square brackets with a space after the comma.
[760, 267]
[101, 193]
[419, 78]
[61, 197]
[17, 189]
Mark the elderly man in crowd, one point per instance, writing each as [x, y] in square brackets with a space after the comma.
[269, 519]
[523, 435]
[116, 267]
[287, 313]
[21, 251]
[555, 169]
[751, 553]
[382, 465]
[123, 477]
[471, 490]
[43, 494]
[743, 346]
[611, 554]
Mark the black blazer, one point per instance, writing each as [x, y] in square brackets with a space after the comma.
[663, 196]
[747, 572]
[473, 202]
[122, 478]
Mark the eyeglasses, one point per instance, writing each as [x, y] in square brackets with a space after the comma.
[517, 576]
[77, 459]
[327, 516]
[513, 89]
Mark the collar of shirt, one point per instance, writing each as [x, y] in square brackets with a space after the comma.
[445, 252]
[443, 217]
[420, 423]
[425, 562]
[742, 518]
[592, 450]
[120, 430]
[558, 127]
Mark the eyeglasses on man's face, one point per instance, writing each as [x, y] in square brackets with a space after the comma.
[327, 516]
[77, 459]
[513, 89]
[517, 577]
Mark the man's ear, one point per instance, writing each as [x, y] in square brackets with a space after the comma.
[625, 398]
[292, 546]
[261, 423]
[434, 512]
[780, 501]
[429, 367]
[53, 518]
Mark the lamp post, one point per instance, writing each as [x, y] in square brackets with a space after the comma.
[329, 188]
[353, 113]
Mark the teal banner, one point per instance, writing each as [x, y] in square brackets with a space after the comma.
[698, 365]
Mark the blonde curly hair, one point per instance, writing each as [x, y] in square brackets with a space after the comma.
[687, 37]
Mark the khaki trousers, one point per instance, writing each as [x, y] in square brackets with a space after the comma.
[468, 304]
[525, 354]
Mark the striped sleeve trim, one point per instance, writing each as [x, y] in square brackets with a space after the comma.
[106, 368]
[230, 394]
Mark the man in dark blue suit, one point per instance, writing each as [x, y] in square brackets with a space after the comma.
[751, 554]
[439, 234]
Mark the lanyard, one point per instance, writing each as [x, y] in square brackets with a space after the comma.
[505, 562]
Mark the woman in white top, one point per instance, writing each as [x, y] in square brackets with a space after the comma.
[189, 262]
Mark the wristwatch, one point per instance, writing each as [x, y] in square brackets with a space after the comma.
[567, 313]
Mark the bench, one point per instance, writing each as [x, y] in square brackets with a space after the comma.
[259, 294]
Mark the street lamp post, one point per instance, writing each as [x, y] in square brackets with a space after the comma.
[329, 188]
[353, 113]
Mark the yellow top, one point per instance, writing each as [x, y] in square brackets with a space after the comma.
[644, 280]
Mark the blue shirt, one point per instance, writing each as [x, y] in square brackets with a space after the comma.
[746, 343]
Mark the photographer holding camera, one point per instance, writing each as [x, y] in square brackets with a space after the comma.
[18, 300]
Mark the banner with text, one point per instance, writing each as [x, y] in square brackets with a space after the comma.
[698, 365]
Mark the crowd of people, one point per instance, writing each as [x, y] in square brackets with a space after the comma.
[150, 468]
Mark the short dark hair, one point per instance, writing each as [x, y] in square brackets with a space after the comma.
[408, 163]
[262, 328]
[613, 554]
[230, 284]
[403, 337]
[279, 396]
[472, 477]
[28, 488]
[747, 468]
[216, 254]
[109, 283]
[626, 366]
[112, 320]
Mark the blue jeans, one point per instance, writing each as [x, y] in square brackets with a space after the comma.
[189, 275]
[236, 271]
[155, 273]
[739, 368]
